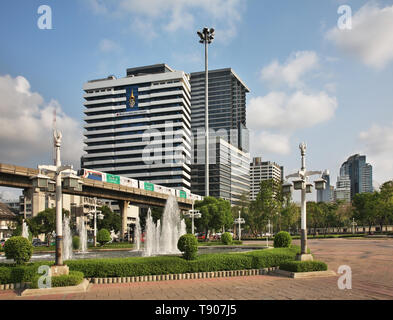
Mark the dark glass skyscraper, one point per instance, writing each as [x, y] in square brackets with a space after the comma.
[229, 156]
[360, 174]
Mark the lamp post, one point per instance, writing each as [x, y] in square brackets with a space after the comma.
[206, 37]
[193, 214]
[100, 216]
[354, 224]
[43, 182]
[268, 232]
[239, 221]
[305, 187]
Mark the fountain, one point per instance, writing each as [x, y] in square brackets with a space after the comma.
[162, 238]
[82, 235]
[25, 230]
[67, 239]
[137, 234]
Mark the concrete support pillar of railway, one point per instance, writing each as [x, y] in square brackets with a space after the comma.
[37, 201]
[123, 213]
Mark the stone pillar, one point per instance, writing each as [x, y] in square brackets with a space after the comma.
[123, 213]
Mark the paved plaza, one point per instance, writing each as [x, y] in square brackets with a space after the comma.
[370, 260]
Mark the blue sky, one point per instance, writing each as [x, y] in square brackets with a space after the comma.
[291, 55]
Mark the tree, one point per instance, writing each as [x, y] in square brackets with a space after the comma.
[216, 214]
[267, 206]
[103, 236]
[385, 204]
[44, 222]
[111, 220]
[364, 205]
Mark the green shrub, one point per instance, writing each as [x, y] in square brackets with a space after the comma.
[226, 238]
[19, 249]
[142, 266]
[103, 236]
[303, 266]
[72, 279]
[282, 240]
[188, 244]
[12, 273]
[75, 242]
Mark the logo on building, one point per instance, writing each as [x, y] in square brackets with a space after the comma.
[132, 99]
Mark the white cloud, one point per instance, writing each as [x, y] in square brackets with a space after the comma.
[291, 72]
[107, 45]
[266, 142]
[26, 126]
[371, 36]
[175, 15]
[277, 110]
[378, 142]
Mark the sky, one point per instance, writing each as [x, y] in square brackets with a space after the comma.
[315, 74]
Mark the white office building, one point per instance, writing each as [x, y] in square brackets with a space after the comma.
[343, 188]
[260, 171]
[139, 126]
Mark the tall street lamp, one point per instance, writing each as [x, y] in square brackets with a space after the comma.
[305, 187]
[70, 181]
[193, 214]
[100, 216]
[240, 221]
[206, 37]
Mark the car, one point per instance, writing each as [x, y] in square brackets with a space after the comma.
[37, 243]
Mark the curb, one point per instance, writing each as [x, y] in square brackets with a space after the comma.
[183, 276]
[82, 287]
[303, 275]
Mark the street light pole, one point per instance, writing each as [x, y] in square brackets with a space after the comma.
[95, 222]
[59, 219]
[305, 187]
[206, 37]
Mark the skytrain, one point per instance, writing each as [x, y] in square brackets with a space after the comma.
[129, 182]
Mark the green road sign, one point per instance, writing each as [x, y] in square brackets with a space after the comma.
[112, 178]
[183, 194]
[149, 186]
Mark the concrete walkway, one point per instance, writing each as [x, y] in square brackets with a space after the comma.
[370, 260]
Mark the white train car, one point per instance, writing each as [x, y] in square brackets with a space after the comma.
[128, 182]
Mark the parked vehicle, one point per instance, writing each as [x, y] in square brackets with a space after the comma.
[37, 243]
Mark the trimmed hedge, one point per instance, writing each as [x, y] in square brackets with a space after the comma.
[19, 249]
[75, 242]
[103, 236]
[132, 267]
[303, 266]
[72, 279]
[141, 266]
[226, 238]
[188, 244]
[12, 273]
[282, 240]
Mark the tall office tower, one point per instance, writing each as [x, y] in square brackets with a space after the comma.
[343, 189]
[263, 170]
[139, 126]
[227, 106]
[229, 170]
[227, 120]
[360, 174]
[325, 194]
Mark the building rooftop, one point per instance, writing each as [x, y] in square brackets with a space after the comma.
[221, 70]
[6, 213]
[152, 69]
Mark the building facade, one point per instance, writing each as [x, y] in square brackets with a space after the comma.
[343, 189]
[325, 194]
[360, 174]
[8, 220]
[229, 171]
[139, 126]
[263, 170]
[227, 106]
